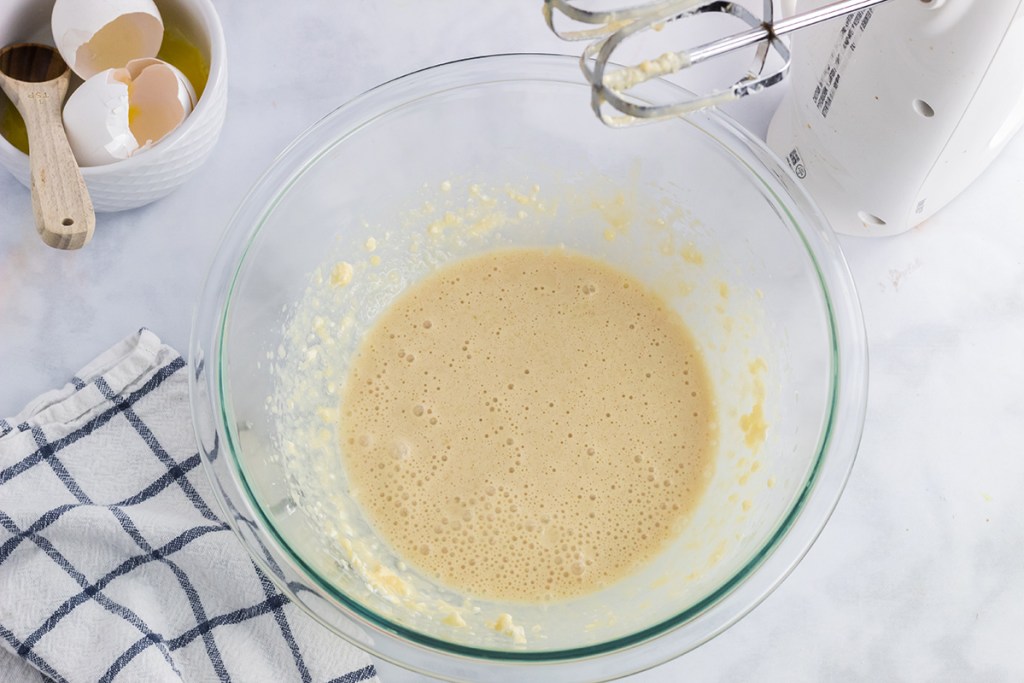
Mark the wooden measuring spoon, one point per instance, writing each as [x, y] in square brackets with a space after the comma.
[36, 80]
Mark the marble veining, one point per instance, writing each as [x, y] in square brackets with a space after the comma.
[920, 573]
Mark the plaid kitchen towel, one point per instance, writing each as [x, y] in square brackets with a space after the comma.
[114, 565]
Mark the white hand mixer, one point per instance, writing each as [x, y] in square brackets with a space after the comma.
[891, 111]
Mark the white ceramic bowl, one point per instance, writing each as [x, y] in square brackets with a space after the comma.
[153, 173]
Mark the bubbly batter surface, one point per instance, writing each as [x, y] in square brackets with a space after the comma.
[528, 425]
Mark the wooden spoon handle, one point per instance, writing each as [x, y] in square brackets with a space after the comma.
[60, 200]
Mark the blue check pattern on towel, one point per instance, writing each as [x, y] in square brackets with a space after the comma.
[114, 565]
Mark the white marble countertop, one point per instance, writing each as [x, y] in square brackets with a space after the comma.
[920, 573]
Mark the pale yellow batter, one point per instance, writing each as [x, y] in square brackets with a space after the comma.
[528, 425]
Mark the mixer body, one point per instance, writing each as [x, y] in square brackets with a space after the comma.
[894, 110]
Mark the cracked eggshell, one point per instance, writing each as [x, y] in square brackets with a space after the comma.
[94, 35]
[119, 112]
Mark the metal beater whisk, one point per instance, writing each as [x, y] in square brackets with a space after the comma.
[610, 28]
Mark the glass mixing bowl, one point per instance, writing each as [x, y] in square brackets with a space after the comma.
[498, 152]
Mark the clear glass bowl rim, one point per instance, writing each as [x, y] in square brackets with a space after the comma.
[738, 596]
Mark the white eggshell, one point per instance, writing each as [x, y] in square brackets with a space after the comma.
[95, 35]
[119, 112]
